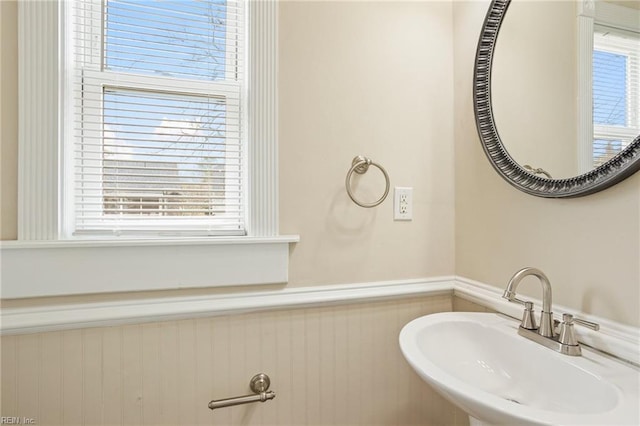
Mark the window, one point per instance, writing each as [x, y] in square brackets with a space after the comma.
[616, 91]
[608, 80]
[147, 119]
[155, 152]
[157, 114]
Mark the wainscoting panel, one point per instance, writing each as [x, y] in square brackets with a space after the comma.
[330, 365]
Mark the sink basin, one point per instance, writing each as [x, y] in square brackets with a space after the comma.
[480, 363]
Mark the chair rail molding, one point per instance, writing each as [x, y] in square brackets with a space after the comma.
[98, 314]
[619, 340]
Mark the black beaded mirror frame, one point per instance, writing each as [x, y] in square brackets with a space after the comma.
[621, 166]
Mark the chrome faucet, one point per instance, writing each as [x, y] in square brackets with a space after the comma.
[565, 341]
[546, 316]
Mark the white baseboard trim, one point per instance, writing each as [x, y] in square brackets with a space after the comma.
[617, 339]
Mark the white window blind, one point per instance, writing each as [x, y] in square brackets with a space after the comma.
[158, 92]
[616, 91]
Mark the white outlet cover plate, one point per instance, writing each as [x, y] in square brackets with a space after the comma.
[402, 203]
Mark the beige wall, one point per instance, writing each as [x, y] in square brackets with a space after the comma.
[349, 88]
[328, 366]
[350, 73]
[370, 78]
[589, 247]
[627, 3]
[8, 119]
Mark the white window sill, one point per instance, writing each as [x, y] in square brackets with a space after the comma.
[58, 268]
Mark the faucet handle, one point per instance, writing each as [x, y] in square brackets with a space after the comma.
[528, 318]
[567, 336]
[592, 325]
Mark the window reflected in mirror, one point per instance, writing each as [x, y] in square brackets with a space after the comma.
[566, 83]
[616, 91]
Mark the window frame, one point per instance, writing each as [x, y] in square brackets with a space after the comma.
[259, 257]
[43, 106]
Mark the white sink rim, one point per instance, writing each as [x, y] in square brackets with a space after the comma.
[490, 407]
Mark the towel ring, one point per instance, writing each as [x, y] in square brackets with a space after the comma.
[360, 165]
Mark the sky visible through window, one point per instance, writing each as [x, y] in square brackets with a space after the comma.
[185, 39]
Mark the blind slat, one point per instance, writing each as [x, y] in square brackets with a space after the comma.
[183, 191]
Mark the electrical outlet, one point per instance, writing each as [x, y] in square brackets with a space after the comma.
[402, 203]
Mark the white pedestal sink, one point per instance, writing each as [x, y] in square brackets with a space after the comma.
[480, 363]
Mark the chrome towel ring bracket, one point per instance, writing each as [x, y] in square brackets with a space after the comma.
[361, 165]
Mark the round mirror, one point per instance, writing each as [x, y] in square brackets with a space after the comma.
[557, 94]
